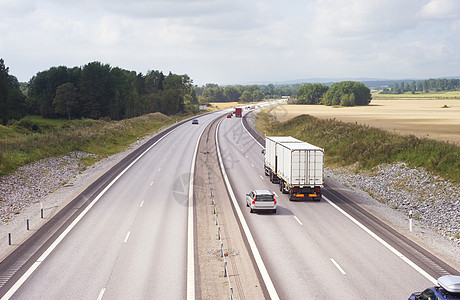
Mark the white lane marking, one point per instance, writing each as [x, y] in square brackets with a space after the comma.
[151, 183]
[252, 244]
[142, 204]
[101, 294]
[297, 219]
[47, 252]
[338, 267]
[252, 165]
[381, 241]
[246, 156]
[190, 238]
[127, 237]
[159, 169]
[251, 135]
[261, 177]
[275, 194]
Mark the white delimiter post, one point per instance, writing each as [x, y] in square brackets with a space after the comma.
[410, 220]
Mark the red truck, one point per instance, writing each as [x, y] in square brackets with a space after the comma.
[238, 112]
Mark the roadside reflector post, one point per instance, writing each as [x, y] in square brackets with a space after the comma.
[9, 239]
[410, 220]
[27, 222]
[218, 232]
[221, 249]
[41, 210]
[225, 269]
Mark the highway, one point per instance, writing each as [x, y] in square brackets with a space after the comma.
[128, 237]
[311, 249]
[132, 244]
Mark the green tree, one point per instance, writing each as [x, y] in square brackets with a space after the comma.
[65, 101]
[12, 101]
[258, 95]
[246, 96]
[231, 93]
[340, 94]
[311, 93]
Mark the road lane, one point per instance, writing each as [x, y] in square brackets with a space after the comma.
[298, 257]
[99, 259]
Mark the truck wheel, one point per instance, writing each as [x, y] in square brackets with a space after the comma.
[247, 204]
[274, 211]
[251, 210]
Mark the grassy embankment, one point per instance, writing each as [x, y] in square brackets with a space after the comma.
[347, 143]
[34, 138]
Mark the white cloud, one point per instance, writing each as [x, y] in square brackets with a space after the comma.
[231, 41]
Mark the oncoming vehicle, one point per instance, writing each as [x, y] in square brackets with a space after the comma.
[448, 289]
[261, 200]
[195, 121]
[229, 115]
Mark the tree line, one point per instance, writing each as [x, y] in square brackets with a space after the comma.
[345, 93]
[215, 93]
[95, 91]
[425, 86]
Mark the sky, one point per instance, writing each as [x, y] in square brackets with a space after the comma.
[236, 41]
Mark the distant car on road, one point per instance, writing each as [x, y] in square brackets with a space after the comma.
[261, 200]
[195, 121]
[229, 115]
[448, 289]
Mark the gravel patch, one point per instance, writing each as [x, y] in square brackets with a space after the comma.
[31, 183]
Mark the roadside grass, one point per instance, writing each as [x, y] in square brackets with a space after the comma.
[20, 144]
[349, 143]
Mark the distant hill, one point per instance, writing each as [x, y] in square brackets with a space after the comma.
[372, 83]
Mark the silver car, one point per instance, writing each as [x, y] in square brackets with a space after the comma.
[261, 200]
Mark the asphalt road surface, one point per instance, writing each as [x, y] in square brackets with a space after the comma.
[311, 249]
[132, 244]
[132, 241]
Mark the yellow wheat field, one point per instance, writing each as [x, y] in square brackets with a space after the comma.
[435, 119]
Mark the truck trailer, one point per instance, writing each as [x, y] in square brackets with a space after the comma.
[238, 112]
[296, 166]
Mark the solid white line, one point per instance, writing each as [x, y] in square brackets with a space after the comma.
[381, 241]
[142, 204]
[251, 135]
[261, 177]
[190, 229]
[338, 267]
[47, 252]
[252, 244]
[101, 294]
[127, 237]
[297, 219]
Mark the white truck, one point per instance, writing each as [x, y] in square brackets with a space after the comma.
[297, 166]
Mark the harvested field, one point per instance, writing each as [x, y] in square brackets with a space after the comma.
[435, 119]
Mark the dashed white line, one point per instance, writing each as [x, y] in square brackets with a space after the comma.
[101, 294]
[159, 169]
[142, 204]
[338, 267]
[50, 249]
[127, 237]
[381, 241]
[275, 194]
[246, 156]
[297, 219]
[151, 183]
[261, 177]
[252, 165]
